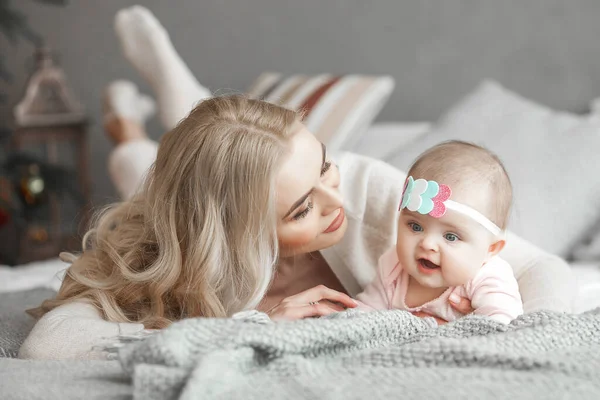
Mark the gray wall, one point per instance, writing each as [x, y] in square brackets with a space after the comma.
[436, 50]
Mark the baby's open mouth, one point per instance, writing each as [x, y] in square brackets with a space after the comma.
[427, 264]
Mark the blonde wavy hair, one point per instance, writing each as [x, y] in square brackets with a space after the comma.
[200, 237]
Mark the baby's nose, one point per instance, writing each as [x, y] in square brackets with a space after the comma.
[429, 243]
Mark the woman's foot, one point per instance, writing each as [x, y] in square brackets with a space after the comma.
[122, 98]
[121, 130]
[126, 111]
[146, 44]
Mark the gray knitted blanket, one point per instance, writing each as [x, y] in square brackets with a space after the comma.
[355, 355]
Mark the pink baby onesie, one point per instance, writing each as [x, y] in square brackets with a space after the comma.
[493, 292]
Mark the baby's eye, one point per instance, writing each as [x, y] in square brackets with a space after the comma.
[415, 227]
[451, 237]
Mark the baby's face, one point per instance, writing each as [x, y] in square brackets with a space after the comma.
[442, 252]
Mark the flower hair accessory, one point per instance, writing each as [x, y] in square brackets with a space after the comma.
[430, 198]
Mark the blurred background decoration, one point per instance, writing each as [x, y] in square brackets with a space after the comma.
[14, 26]
[44, 185]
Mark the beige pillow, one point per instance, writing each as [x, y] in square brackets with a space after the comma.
[338, 109]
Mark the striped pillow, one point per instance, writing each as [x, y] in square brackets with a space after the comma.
[338, 109]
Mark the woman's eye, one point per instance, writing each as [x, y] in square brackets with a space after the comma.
[415, 227]
[325, 168]
[451, 237]
[304, 212]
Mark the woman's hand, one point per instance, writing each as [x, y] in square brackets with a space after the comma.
[460, 304]
[316, 302]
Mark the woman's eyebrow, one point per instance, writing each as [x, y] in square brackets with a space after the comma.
[305, 196]
[298, 203]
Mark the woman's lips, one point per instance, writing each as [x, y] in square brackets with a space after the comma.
[337, 222]
[427, 267]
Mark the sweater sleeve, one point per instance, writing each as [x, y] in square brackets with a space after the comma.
[372, 191]
[71, 331]
[376, 295]
[546, 281]
[495, 293]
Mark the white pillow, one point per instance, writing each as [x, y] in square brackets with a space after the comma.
[551, 157]
[385, 138]
[587, 276]
[588, 249]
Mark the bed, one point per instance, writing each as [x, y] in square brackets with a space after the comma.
[26, 286]
[157, 372]
[541, 355]
[556, 145]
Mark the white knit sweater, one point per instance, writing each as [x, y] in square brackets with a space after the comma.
[371, 190]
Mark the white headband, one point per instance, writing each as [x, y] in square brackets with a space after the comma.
[429, 197]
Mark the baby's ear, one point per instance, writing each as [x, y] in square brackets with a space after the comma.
[496, 248]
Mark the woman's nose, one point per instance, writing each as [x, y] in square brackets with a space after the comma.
[333, 178]
[330, 198]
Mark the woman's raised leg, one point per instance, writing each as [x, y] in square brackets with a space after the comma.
[146, 44]
[125, 113]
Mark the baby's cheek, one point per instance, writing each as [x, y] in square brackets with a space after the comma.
[461, 273]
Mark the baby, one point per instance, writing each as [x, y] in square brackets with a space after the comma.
[453, 213]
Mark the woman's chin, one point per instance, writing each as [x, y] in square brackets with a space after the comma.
[321, 242]
[326, 240]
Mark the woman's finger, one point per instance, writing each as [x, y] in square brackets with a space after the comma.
[314, 302]
[322, 292]
[460, 304]
[334, 306]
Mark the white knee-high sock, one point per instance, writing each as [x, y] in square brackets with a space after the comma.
[146, 44]
[123, 99]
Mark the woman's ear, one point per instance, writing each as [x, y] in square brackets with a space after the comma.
[496, 248]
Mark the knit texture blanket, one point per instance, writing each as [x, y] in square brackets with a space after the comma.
[357, 355]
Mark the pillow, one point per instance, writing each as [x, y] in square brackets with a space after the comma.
[551, 157]
[382, 139]
[15, 324]
[588, 249]
[587, 276]
[338, 109]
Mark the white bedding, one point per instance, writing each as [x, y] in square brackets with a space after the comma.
[45, 274]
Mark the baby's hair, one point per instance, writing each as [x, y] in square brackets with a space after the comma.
[459, 165]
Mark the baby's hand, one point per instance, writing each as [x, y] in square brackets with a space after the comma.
[460, 304]
[422, 314]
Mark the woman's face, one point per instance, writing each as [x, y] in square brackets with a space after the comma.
[309, 204]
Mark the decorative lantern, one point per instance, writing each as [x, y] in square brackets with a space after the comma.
[48, 166]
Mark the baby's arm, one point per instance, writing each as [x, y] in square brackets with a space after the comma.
[376, 296]
[495, 292]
